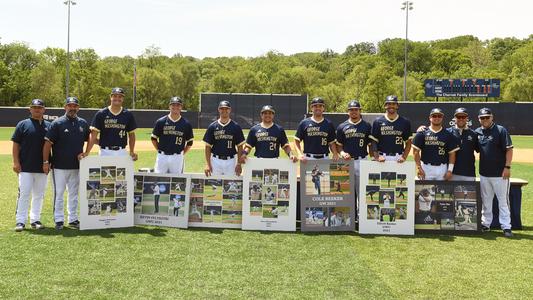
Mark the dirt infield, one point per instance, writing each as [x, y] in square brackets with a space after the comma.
[519, 155]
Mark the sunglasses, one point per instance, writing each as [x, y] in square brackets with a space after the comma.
[484, 118]
[461, 117]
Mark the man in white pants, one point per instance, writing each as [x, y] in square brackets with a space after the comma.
[28, 141]
[65, 139]
[172, 137]
[221, 138]
[495, 157]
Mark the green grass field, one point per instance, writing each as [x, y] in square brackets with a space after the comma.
[228, 263]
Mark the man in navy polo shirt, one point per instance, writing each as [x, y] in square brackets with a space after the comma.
[267, 137]
[221, 138]
[28, 141]
[317, 133]
[435, 147]
[495, 157]
[465, 161]
[391, 134]
[116, 127]
[65, 139]
[172, 137]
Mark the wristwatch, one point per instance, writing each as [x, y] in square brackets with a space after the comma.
[508, 167]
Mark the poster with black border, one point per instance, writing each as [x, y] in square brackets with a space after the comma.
[386, 202]
[269, 195]
[327, 195]
[447, 206]
[161, 199]
[215, 201]
[105, 192]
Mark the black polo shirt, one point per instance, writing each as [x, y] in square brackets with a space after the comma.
[29, 134]
[465, 161]
[493, 145]
[67, 136]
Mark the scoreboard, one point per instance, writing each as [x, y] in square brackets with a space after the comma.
[462, 88]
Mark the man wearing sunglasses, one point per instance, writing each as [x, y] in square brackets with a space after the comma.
[434, 149]
[465, 161]
[495, 157]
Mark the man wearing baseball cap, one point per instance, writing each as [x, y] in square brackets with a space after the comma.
[495, 157]
[434, 149]
[223, 141]
[172, 137]
[28, 141]
[267, 137]
[65, 140]
[465, 161]
[113, 127]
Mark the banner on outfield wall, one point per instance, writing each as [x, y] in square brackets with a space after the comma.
[386, 201]
[269, 195]
[447, 206]
[161, 199]
[106, 193]
[327, 195]
[215, 201]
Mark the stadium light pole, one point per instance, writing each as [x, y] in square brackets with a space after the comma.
[407, 6]
[68, 3]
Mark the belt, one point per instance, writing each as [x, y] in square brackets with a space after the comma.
[167, 153]
[316, 155]
[437, 165]
[389, 154]
[114, 148]
[223, 157]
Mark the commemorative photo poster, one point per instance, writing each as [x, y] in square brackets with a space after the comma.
[161, 199]
[215, 201]
[447, 206]
[269, 195]
[106, 193]
[386, 202]
[327, 195]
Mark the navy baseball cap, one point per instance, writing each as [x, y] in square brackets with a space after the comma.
[484, 112]
[268, 108]
[117, 91]
[317, 100]
[72, 100]
[224, 103]
[37, 102]
[460, 110]
[354, 104]
[176, 100]
[391, 99]
[436, 111]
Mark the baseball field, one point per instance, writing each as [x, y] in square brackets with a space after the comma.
[225, 263]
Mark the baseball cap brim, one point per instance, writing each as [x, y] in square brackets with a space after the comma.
[485, 115]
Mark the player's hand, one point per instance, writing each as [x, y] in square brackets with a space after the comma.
[81, 156]
[335, 156]
[303, 158]
[421, 128]
[238, 169]
[16, 168]
[506, 174]
[346, 156]
[243, 158]
[134, 156]
[421, 173]
[294, 158]
[448, 175]
[381, 158]
[46, 168]
[208, 170]
[401, 159]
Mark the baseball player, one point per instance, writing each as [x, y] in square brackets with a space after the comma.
[433, 148]
[177, 206]
[172, 137]
[386, 200]
[267, 137]
[317, 133]
[353, 138]
[465, 160]
[232, 187]
[391, 134]
[371, 194]
[113, 127]
[221, 138]
[316, 173]
[195, 211]
[424, 203]
[495, 157]
[269, 195]
[28, 141]
[157, 194]
[65, 139]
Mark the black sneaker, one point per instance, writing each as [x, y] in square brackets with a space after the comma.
[507, 233]
[59, 225]
[37, 225]
[19, 227]
[75, 224]
[485, 228]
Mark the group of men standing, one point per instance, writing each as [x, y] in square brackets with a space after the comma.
[40, 147]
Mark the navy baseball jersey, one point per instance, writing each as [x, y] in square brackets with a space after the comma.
[113, 128]
[316, 135]
[354, 137]
[29, 134]
[172, 135]
[223, 138]
[67, 136]
[435, 146]
[267, 140]
[493, 145]
[465, 161]
[391, 134]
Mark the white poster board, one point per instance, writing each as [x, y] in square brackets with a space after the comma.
[269, 195]
[106, 192]
[161, 199]
[215, 201]
[386, 199]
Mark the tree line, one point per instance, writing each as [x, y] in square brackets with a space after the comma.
[365, 71]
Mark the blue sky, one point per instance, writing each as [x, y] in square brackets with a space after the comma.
[250, 28]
